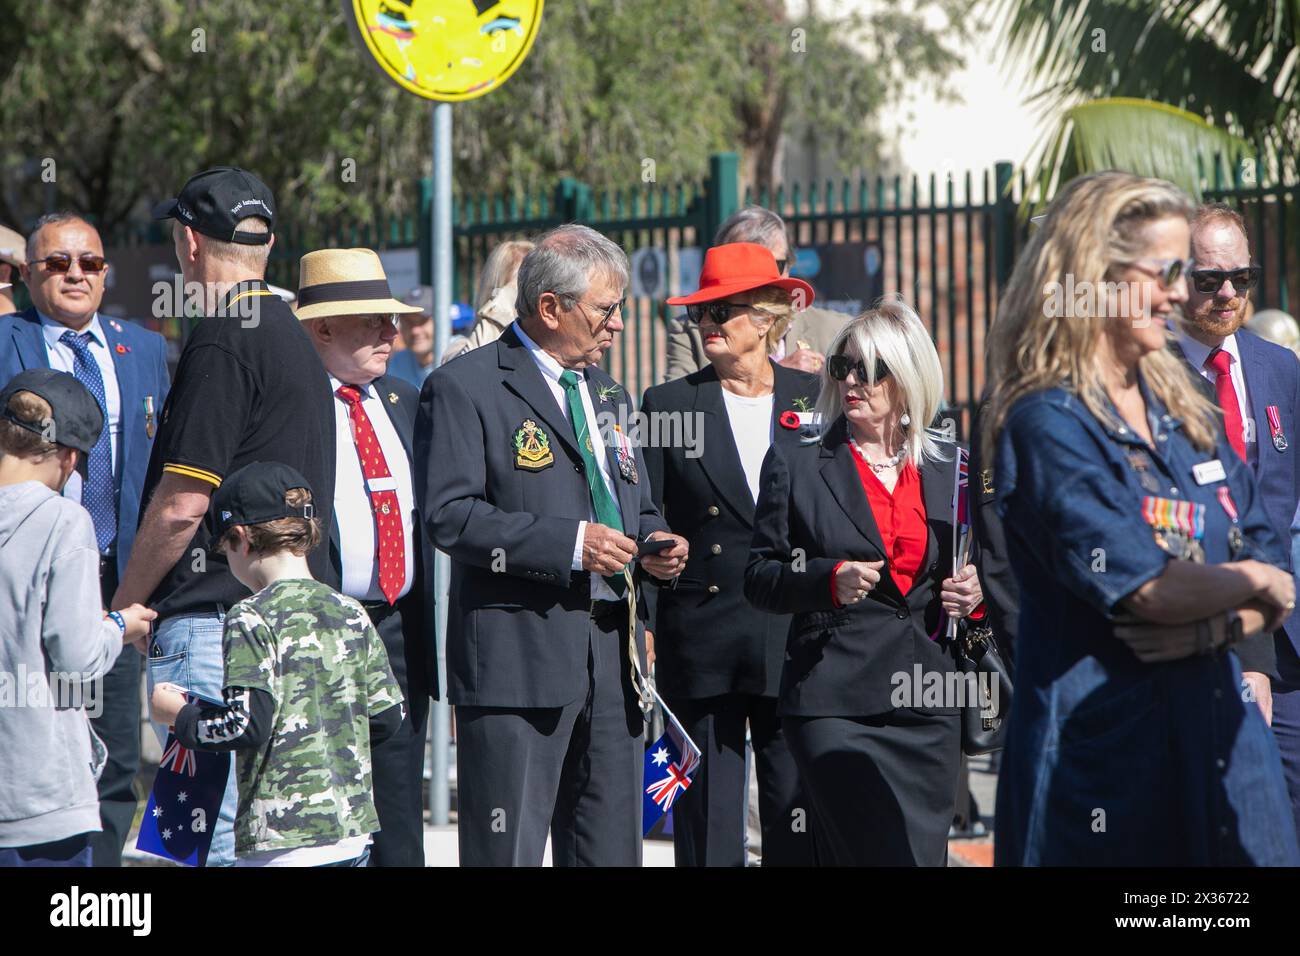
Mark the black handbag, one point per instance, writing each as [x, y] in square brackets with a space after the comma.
[983, 728]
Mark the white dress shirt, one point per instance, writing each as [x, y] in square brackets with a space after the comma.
[62, 358]
[551, 372]
[1197, 353]
[353, 511]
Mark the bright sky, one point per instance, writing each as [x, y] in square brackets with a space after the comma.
[991, 122]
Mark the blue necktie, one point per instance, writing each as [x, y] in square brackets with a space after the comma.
[97, 492]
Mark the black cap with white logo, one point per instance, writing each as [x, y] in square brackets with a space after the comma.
[255, 494]
[76, 419]
[216, 199]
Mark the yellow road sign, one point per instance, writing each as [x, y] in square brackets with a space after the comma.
[447, 49]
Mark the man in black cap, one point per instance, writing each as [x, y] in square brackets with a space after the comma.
[249, 387]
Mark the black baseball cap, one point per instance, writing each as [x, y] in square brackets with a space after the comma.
[254, 495]
[77, 419]
[216, 199]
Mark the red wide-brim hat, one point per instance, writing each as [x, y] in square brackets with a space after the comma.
[740, 267]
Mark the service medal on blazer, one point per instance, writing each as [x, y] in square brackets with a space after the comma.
[150, 426]
[532, 447]
[1275, 427]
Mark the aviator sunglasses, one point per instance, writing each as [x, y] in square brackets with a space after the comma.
[61, 262]
[839, 366]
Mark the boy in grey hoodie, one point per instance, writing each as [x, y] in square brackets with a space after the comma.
[55, 641]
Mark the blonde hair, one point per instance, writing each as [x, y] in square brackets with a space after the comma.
[253, 258]
[892, 331]
[500, 270]
[774, 302]
[1094, 227]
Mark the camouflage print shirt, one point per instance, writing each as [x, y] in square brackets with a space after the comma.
[317, 654]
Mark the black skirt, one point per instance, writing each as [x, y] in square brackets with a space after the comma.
[882, 789]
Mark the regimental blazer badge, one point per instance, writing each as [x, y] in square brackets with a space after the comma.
[532, 447]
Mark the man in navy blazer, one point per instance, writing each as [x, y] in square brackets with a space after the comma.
[125, 367]
[1258, 387]
[540, 505]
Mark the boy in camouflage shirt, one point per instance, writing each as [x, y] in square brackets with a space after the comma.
[308, 688]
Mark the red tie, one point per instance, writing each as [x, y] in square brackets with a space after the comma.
[390, 546]
[1220, 363]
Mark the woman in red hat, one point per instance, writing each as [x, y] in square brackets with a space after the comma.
[718, 658]
[853, 537]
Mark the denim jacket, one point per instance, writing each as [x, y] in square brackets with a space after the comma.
[1110, 760]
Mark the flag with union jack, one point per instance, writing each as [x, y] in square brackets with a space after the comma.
[670, 766]
[184, 804]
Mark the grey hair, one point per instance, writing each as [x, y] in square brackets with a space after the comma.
[563, 262]
[752, 224]
[51, 219]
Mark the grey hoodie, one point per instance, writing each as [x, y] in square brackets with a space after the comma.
[54, 644]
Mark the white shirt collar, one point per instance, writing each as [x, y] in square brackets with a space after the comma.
[367, 391]
[1198, 352]
[544, 359]
[54, 330]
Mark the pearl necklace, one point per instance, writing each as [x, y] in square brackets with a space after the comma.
[890, 462]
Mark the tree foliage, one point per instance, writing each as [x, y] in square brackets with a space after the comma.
[1231, 63]
[121, 99]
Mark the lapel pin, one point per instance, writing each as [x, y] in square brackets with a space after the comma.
[392, 398]
[122, 349]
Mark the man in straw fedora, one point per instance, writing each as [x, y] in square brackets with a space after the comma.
[543, 512]
[13, 256]
[249, 387]
[378, 550]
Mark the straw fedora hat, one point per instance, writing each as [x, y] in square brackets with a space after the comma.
[13, 247]
[344, 282]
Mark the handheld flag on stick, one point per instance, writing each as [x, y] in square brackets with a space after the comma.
[670, 766]
[184, 804]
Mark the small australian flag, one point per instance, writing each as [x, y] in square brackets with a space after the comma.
[670, 766]
[183, 807]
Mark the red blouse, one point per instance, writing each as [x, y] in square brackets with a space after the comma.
[900, 516]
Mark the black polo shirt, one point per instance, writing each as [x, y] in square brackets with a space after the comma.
[248, 388]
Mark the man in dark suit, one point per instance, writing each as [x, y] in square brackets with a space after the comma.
[125, 368]
[541, 507]
[1257, 384]
[378, 550]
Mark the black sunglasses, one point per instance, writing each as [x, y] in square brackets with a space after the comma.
[719, 312]
[839, 367]
[1211, 280]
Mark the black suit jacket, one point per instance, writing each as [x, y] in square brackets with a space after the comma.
[418, 606]
[812, 514]
[709, 639]
[518, 620]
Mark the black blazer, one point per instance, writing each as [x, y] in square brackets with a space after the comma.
[518, 618]
[417, 607]
[709, 640]
[840, 661]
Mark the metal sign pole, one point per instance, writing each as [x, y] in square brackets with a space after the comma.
[439, 785]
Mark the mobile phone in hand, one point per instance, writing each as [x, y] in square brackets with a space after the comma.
[653, 547]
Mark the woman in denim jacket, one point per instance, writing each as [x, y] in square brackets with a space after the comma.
[1142, 554]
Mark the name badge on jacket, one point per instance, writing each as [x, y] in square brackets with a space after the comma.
[1208, 472]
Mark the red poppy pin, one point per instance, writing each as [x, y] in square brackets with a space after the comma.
[789, 420]
[122, 349]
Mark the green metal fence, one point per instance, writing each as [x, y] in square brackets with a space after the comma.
[947, 245]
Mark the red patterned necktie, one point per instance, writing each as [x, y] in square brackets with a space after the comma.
[1220, 363]
[390, 546]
